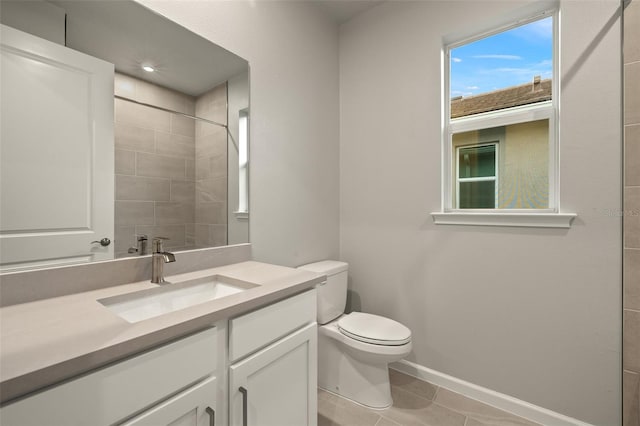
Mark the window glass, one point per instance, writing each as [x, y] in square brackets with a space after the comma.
[243, 162]
[502, 147]
[477, 195]
[508, 69]
[521, 163]
[477, 161]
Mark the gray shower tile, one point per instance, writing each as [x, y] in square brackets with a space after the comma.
[218, 235]
[632, 154]
[134, 138]
[134, 213]
[153, 165]
[213, 104]
[190, 234]
[183, 191]
[162, 97]
[190, 166]
[631, 278]
[181, 125]
[212, 144]
[124, 238]
[142, 116]
[175, 145]
[211, 167]
[211, 213]
[201, 235]
[141, 188]
[631, 88]
[632, 31]
[632, 216]
[125, 162]
[630, 399]
[631, 343]
[214, 189]
[169, 213]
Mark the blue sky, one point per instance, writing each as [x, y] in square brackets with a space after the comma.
[506, 59]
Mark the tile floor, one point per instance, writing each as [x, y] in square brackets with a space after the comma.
[415, 403]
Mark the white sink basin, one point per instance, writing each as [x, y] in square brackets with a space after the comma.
[170, 297]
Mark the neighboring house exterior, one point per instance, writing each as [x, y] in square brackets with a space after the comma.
[504, 167]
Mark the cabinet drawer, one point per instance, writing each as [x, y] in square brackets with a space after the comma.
[116, 392]
[252, 331]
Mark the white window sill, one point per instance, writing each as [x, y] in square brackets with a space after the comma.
[527, 220]
[241, 215]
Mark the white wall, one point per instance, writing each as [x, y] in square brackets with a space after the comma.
[293, 58]
[36, 17]
[532, 313]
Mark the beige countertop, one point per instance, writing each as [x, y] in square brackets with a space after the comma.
[46, 341]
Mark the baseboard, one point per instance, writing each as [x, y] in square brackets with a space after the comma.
[487, 396]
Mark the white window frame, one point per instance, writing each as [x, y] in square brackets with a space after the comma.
[243, 165]
[548, 110]
[493, 178]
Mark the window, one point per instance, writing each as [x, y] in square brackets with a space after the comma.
[243, 164]
[499, 136]
[476, 177]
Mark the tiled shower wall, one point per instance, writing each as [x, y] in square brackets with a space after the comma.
[154, 166]
[631, 338]
[211, 169]
[156, 193]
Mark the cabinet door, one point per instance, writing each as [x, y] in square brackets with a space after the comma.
[277, 386]
[193, 407]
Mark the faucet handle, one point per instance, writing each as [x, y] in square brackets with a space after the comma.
[157, 244]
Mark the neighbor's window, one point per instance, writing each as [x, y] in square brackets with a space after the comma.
[501, 113]
[476, 177]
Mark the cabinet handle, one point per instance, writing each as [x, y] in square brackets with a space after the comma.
[212, 416]
[245, 402]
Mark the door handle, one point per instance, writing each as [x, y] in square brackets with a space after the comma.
[103, 242]
[212, 416]
[245, 403]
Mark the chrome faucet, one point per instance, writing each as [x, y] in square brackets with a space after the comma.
[158, 259]
[141, 246]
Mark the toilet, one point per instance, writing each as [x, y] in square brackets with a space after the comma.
[354, 349]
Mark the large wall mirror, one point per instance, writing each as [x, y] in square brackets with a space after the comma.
[118, 126]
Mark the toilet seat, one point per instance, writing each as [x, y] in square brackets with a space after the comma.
[374, 329]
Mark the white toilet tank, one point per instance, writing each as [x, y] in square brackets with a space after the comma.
[332, 295]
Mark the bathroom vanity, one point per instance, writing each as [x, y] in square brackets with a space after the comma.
[247, 358]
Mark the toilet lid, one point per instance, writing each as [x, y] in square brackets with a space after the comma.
[374, 329]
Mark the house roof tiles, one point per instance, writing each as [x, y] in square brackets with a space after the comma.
[524, 94]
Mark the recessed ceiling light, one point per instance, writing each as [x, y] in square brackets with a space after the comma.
[148, 68]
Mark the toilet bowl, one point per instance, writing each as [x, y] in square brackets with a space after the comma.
[355, 368]
[354, 349]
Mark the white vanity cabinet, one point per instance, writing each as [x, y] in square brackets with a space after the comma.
[173, 384]
[273, 371]
[257, 369]
[194, 407]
